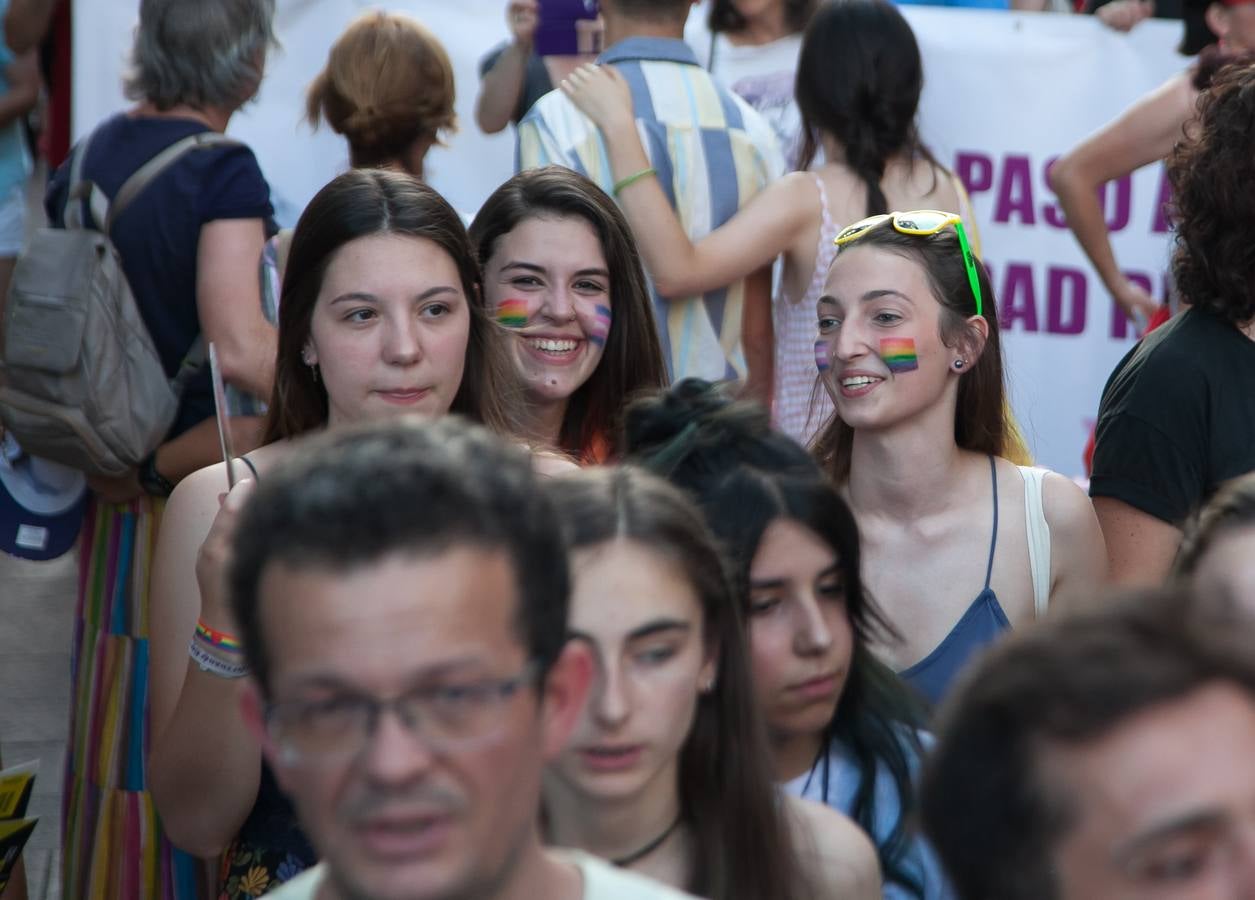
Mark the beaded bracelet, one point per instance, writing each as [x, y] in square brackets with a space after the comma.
[632, 179]
[216, 663]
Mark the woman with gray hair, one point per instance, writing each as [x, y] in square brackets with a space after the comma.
[189, 244]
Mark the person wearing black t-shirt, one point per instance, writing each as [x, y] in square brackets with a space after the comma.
[1177, 417]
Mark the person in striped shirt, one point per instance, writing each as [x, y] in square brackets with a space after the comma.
[710, 151]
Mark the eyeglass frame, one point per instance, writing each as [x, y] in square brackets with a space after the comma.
[851, 233]
[501, 689]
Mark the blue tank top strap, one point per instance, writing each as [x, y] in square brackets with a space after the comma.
[993, 540]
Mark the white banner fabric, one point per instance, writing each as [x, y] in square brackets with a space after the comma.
[1005, 94]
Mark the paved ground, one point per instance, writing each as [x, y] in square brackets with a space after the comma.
[36, 612]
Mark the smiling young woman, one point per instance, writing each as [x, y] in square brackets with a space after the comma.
[562, 275]
[910, 353]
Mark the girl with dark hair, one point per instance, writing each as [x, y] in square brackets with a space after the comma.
[667, 772]
[843, 728]
[561, 273]
[751, 47]
[858, 85]
[910, 353]
[381, 315]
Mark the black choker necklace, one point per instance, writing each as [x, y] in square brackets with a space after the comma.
[625, 861]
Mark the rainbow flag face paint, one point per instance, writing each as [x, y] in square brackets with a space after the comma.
[512, 313]
[821, 356]
[600, 329]
[899, 354]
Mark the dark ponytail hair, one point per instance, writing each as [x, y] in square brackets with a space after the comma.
[859, 78]
[742, 848]
[744, 475]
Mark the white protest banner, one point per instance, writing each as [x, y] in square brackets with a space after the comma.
[1006, 93]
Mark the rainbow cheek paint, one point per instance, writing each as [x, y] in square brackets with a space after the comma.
[600, 329]
[899, 354]
[512, 313]
[821, 355]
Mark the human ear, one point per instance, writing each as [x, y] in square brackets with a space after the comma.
[1217, 19]
[563, 695]
[252, 711]
[972, 342]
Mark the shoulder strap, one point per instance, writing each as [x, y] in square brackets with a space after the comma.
[78, 190]
[144, 176]
[1038, 537]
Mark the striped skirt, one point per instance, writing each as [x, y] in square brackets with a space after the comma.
[112, 844]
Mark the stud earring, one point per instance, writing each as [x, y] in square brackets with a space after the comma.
[958, 363]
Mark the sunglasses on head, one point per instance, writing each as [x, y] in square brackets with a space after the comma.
[920, 222]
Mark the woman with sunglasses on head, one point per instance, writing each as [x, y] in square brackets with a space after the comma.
[910, 353]
[381, 315]
[859, 78]
[843, 729]
[667, 772]
[562, 275]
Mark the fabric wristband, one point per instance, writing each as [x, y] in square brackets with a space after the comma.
[632, 179]
[216, 663]
[218, 638]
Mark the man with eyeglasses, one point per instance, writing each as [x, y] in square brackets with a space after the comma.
[402, 596]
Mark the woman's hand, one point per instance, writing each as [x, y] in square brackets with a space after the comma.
[116, 488]
[603, 95]
[1138, 305]
[213, 560]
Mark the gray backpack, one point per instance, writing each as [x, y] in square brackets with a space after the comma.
[80, 379]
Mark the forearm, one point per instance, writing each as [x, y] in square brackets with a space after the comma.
[668, 253]
[1078, 195]
[758, 338]
[199, 447]
[205, 767]
[500, 89]
[17, 102]
[247, 358]
[26, 22]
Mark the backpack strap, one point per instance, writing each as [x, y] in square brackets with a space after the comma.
[146, 173]
[80, 190]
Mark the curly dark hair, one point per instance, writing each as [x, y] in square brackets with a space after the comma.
[1211, 172]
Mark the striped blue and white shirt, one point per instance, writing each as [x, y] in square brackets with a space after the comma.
[712, 152]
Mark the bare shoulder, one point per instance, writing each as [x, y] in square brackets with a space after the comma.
[837, 853]
[195, 501]
[1068, 507]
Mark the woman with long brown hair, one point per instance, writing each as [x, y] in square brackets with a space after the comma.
[909, 351]
[667, 772]
[381, 314]
[561, 272]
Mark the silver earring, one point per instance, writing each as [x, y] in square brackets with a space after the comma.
[958, 363]
[313, 366]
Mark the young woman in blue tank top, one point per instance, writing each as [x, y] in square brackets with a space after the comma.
[959, 543]
[844, 730]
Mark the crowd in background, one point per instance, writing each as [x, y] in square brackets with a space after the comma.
[662, 528]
